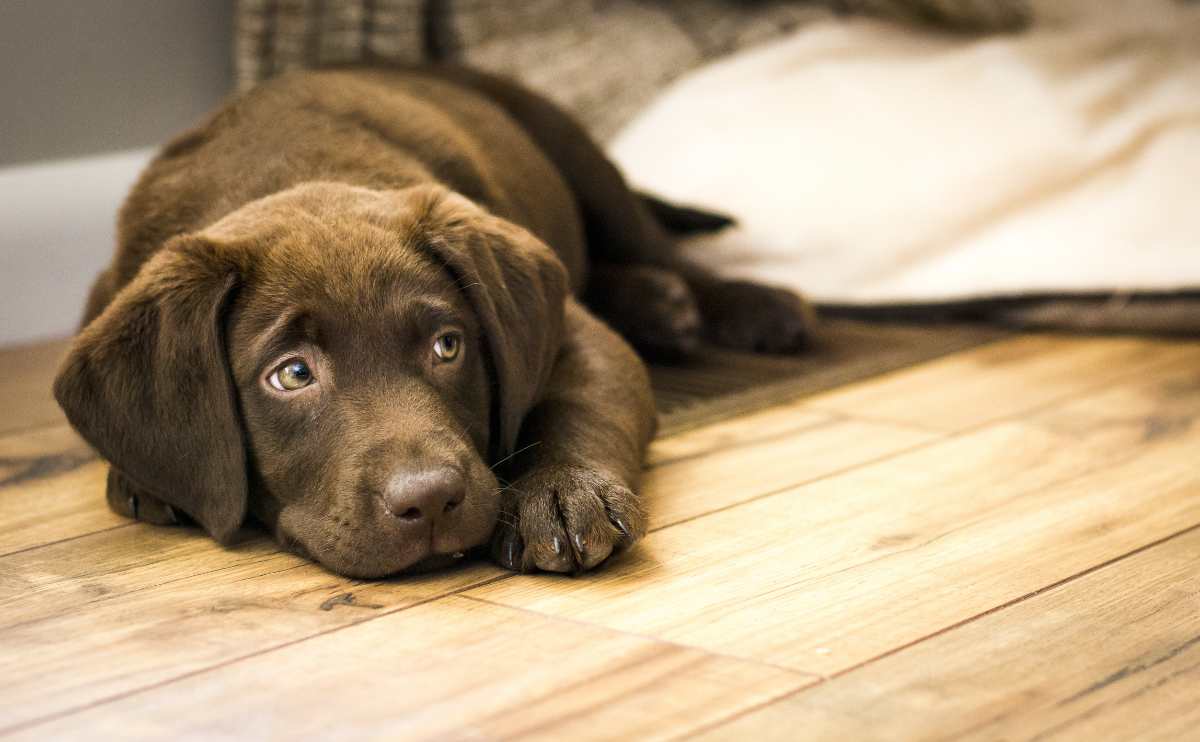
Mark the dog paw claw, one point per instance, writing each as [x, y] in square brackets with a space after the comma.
[507, 549]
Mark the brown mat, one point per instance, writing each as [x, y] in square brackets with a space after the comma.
[724, 383]
[1164, 313]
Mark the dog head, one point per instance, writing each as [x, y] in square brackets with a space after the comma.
[344, 363]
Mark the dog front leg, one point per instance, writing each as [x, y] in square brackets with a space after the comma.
[580, 455]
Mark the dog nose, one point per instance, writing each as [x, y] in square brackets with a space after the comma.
[414, 496]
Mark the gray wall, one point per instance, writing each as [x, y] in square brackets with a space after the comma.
[87, 89]
[85, 76]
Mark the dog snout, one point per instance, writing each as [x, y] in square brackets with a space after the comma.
[424, 496]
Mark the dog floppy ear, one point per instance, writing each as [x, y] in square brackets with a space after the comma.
[517, 287]
[148, 385]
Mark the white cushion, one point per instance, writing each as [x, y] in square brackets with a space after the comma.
[871, 163]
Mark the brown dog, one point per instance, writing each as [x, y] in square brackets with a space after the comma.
[344, 302]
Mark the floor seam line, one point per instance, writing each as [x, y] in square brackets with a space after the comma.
[937, 439]
[232, 661]
[824, 679]
[830, 419]
[1021, 598]
[65, 540]
[717, 724]
[804, 483]
[638, 635]
[1114, 381]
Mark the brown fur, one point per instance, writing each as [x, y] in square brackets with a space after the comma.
[349, 219]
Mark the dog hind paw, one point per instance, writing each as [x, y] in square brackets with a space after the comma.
[747, 316]
[652, 308]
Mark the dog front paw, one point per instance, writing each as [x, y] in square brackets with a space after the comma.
[752, 317]
[566, 519]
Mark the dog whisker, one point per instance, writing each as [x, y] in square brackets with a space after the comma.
[514, 453]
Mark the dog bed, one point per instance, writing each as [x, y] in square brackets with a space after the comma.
[1045, 177]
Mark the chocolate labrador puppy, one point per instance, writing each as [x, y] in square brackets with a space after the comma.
[346, 305]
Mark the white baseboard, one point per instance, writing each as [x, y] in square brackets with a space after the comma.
[57, 225]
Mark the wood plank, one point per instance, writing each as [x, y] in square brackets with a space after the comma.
[51, 488]
[97, 617]
[719, 384]
[742, 430]
[453, 668]
[26, 400]
[1004, 379]
[44, 583]
[728, 463]
[831, 574]
[1114, 654]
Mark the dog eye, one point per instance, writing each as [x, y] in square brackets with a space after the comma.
[448, 346]
[293, 375]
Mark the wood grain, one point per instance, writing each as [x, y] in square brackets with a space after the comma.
[742, 431]
[26, 400]
[720, 384]
[453, 668]
[1004, 379]
[165, 604]
[710, 469]
[827, 576]
[51, 488]
[1114, 654]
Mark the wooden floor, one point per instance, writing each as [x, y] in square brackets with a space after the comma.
[1001, 544]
